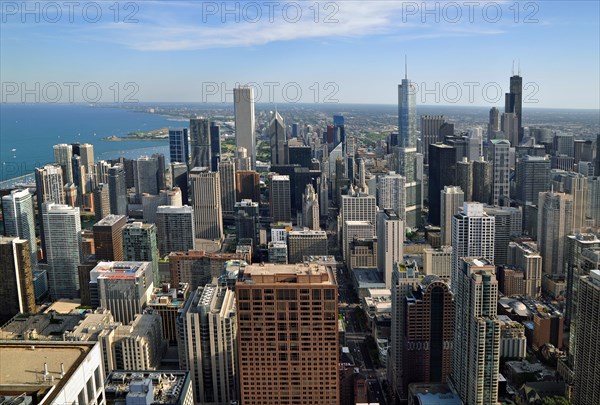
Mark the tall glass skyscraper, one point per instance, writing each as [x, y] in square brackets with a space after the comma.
[407, 150]
[178, 145]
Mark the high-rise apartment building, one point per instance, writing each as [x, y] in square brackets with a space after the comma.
[206, 197]
[101, 201]
[288, 344]
[525, 257]
[464, 178]
[175, 226]
[509, 224]
[200, 142]
[279, 198]
[476, 356]
[19, 218]
[140, 244]
[391, 193]
[16, 288]
[207, 327]
[117, 190]
[390, 243]
[533, 175]
[49, 188]
[108, 237]
[146, 172]
[452, 201]
[500, 150]
[243, 105]
[62, 231]
[493, 124]
[482, 181]
[62, 156]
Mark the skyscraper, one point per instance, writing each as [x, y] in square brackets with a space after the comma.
[179, 178]
[146, 175]
[391, 193]
[390, 238]
[533, 174]
[442, 171]
[513, 101]
[62, 230]
[49, 188]
[277, 137]
[482, 181]
[430, 133]
[101, 201]
[407, 150]
[140, 244]
[472, 235]
[555, 219]
[476, 355]
[493, 124]
[356, 207]
[227, 178]
[62, 156]
[86, 152]
[279, 198]
[200, 142]
[500, 172]
[19, 219]
[117, 190]
[510, 128]
[243, 104]
[587, 384]
[16, 288]
[207, 335]
[178, 145]
[215, 146]
[108, 237]
[404, 279]
[247, 220]
[310, 208]
[429, 332]
[206, 197]
[175, 226]
[297, 362]
[452, 201]
[509, 224]
[464, 178]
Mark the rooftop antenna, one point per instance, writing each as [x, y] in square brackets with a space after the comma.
[513, 70]
[519, 67]
[405, 67]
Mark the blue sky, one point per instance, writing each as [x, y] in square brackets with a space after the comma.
[352, 51]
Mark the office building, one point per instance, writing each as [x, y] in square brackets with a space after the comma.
[482, 181]
[147, 172]
[208, 329]
[563, 144]
[175, 226]
[404, 279]
[279, 198]
[493, 124]
[167, 302]
[247, 183]
[587, 381]
[52, 373]
[513, 102]
[278, 252]
[247, 220]
[593, 201]
[297, 363]
[19, 219]
[306, 242]
[227, 177]
[442, 170]
[101, 201]
[178, 145]
[62, 231]
[429, 332]
[121, 287]
[525, 257]
[474, 141]
[108, 237]
[452, 201]
[16, 289]
[206, 197]
[476, 355]
[509, 124]
[533, 175]
[198, 268]
[355, 207]
[500, 152]
[310, 209]
[509, 223]
[390, 243]
[438, 261]
[243, 104]
[391, 193]
[179, 179]
[117, 189]
[140, 244]
[278, 139]
[554, 223]
[200, 142]
[151, 202]
[430, 133]
[156, 387]
[464, 178]
[215, 146]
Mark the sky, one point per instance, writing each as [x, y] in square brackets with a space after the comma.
[457, 52]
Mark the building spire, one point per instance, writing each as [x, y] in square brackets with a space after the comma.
[513, 69]
[518, 67]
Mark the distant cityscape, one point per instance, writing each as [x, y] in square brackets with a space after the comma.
[309, 254]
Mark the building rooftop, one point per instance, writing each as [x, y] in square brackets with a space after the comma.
[167, 386]
[301, 273]
[110, 220]
[48, 326]
[122, 270]
[38, 366]
[165, 296]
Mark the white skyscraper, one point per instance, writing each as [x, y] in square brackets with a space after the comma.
[243, 104]
[501, 172]
[555, 219]
[310, 208]
[475, 144]
[19, 219]
[356, 207]
[62, 156]
[452, 200]
[476, 358]
[390, 243]
[207, 343]
[62, 229]
[391, 193]
[206, 198]
[472, 236]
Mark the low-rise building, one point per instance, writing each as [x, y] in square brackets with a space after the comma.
[156, 387]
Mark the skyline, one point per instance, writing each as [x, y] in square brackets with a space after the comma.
[184, 52]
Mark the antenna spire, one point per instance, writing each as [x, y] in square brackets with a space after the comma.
[405, 67]
[519, 67]
[513, 69]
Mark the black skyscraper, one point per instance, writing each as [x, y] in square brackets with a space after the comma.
[215, 146]
[513, 101]
[199, 142]
[442, 168]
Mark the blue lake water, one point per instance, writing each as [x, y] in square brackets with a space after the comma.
[28, 132]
